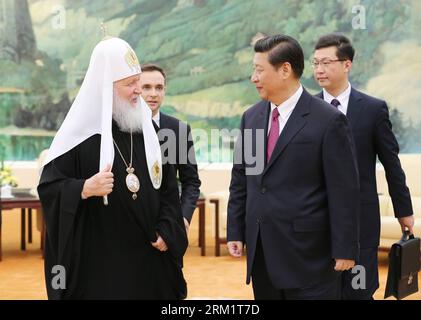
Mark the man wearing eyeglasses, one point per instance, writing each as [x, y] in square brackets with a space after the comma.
[373, 135]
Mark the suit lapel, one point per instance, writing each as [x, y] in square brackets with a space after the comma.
[162, 120]
[294, 124]
[261, 122]
[354, 107]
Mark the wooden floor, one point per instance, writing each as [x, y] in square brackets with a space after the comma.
[22, 277]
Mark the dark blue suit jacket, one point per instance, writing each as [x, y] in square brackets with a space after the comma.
[373, 136]
[185, 166]
[305, 202]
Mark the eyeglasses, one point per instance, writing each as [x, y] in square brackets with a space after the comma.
[324, 63]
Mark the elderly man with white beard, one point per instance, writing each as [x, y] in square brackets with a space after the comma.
[113, 218]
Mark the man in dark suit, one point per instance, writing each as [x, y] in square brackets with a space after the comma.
[373, 136]
[175, 136]
[298, 215]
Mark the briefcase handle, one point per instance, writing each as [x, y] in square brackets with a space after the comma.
[407, 236]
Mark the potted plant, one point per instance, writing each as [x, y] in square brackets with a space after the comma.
[7, 180]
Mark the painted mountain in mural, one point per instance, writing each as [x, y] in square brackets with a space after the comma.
[206, 48]
[206, 45]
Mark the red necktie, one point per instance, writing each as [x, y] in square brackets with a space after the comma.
[273, 133]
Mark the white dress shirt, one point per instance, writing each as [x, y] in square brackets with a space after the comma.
[343, 98]
[156, 118]
[285, 109]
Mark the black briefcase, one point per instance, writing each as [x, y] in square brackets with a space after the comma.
[404, 265]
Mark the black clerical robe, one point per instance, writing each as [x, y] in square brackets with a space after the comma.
[106, 250]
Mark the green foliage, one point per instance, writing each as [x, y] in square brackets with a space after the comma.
[8, 103]
[170, 110]
[242, 92]
[405, 132]
[23, 147]
[218, 76]
[48, 80]
[42, 84]
[2, 154]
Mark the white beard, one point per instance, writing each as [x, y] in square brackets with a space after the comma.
[128, 118]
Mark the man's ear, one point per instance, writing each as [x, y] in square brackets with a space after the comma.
[285, 70]
[348, 66]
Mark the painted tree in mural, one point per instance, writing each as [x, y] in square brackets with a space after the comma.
[17, 40]
[407, 133]
[30, 84]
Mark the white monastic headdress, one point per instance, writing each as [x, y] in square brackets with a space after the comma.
[91, 112]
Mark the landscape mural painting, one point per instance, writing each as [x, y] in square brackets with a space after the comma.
[206, 48]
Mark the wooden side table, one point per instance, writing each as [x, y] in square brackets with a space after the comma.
[218, 239]
[23, 202]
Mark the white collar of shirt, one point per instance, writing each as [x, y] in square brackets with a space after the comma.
[285, 109]
[343, 98]
[157, 118]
